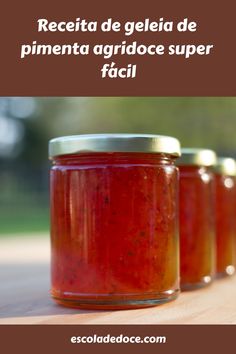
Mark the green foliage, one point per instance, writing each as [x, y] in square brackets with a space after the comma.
[203, 122]
[24, 221]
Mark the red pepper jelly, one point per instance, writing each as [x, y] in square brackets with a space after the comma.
[225, 172]
[197, 220]
[114, 222]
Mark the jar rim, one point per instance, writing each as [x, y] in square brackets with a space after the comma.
[197, 157]
[225, 166]
[149, 143]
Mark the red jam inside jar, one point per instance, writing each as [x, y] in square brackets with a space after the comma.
[225, 198]
[197, 221]
[114, 229]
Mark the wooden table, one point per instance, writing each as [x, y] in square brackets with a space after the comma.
[24, 294]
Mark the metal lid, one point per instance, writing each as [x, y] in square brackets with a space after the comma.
[197, 157]
[225, 166]
[149, 143]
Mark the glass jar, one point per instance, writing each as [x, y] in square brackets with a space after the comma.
[225, 172]
[114, 223]
[197, 223]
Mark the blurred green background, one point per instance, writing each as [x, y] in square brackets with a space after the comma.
[26, 125]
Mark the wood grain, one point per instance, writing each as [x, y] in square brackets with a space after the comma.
[25, 299]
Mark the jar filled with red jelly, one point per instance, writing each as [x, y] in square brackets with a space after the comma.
[225, 184]
[197, 219]
[114, 220]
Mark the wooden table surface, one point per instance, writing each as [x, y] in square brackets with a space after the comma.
[25, 299]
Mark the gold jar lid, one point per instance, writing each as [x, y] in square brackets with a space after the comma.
[197, 157]
[225, 166]
[148, 143]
